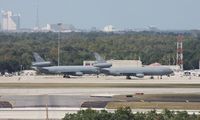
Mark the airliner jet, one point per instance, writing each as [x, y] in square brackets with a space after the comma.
[137, 71]
[77, 70]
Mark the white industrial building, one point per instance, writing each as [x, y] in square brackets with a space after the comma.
[62, 27]
[10, 21]
[109, 28]
[175, 68]
[132, 63]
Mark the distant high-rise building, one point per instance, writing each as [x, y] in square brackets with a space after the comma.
[109, 28]
[10, 21]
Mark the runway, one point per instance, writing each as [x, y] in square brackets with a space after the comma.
[27, 101]
[24, 101]
[95, 91]
[31, 92]
[73, 96]
[101, 79]
[29, 82]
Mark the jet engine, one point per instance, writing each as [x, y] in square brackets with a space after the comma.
[79, 74]
[139, 75]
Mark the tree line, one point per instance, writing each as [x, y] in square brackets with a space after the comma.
[16, 48]
[127, 114]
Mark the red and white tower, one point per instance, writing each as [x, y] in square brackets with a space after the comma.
[180, 51]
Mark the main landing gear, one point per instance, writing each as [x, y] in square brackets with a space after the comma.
[66, 76]
[160, 77]
[151, 77]
[128, 77]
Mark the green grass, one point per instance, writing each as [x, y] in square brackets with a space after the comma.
[154, 105]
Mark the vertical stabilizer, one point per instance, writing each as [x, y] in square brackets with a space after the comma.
[39, 61]
[100, 62]
[99, 59]
[37, 57]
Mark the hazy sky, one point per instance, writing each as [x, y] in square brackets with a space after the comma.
[164, 14]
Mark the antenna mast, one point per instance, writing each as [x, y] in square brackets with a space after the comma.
[37, 15]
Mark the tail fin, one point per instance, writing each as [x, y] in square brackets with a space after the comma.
[99, 59]
[37, 57]
[100, 62]
[39, 61]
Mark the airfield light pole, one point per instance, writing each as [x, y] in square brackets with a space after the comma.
[59, 27]
[180, 51]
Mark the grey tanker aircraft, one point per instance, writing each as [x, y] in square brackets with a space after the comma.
[139, 72]
[77, 70]
[101, 66]
[134, 71]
